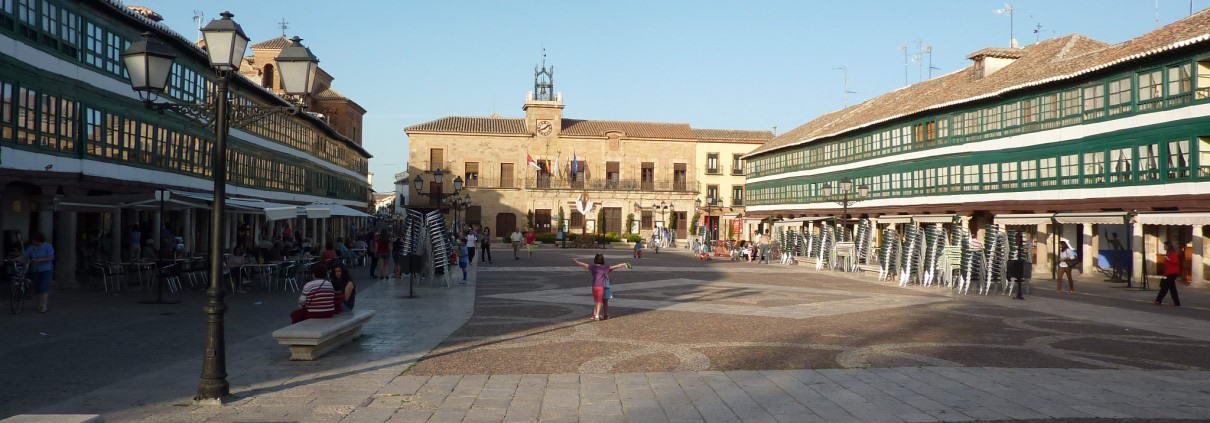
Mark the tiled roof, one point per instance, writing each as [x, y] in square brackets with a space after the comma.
[1042, 63]
[598, 128]
[329, 93]
[475, 125]
[273, 43]
[732, 134]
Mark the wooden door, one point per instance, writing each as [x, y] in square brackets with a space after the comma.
[613, 219]
[682, 225]
[506, 223]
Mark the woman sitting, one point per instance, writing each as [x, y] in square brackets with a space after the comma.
[318, 299]
[346, 293]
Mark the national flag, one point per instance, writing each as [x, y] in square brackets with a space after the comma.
[575, 165]
[531, 162]
[556, 165]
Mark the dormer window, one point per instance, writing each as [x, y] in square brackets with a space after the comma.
[990, 60]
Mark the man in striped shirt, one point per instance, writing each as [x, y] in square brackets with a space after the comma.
[318, 299]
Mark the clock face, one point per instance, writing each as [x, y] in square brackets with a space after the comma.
[545, 127]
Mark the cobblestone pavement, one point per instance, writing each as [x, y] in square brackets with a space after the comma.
[705, 342]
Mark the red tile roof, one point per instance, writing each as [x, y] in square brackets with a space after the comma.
[588, 128]
[732, 134]
[1046, 62]
[474, 125]
[278, 43]
[598, 128]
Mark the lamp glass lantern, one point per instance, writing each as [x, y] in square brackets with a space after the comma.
[846, 185]
[863, 190]
[225, 43]
[298, 68]
[457, 183]
[149, 63]
[826, 190]
[418, 183]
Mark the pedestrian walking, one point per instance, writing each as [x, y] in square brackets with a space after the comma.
[1067, 261]
[382, 250]
[516, 240]
[600, 278]
[1172, 271]
[41, 256]
[486, 243]
[638, 249]
[318, 299]
[472, 239]
[397, 247]
[463, 260]
[530, 238]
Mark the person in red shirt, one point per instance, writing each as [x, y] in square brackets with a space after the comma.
[529, 241]
[1172, 271]
[383, 252]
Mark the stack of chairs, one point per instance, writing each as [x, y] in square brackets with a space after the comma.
[861, 241]
[913, 243]
[888, 265]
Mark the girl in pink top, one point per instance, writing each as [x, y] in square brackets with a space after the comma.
[600, 279]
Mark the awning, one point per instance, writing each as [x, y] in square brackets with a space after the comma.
[934, 218]
[895, 218]
[1024, 219]
[339, 210]
[1174, 218]
[805, 219]
[1103, 218]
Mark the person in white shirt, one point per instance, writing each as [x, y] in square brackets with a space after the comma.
[1067, 261]
[516, 240]
[472, 240]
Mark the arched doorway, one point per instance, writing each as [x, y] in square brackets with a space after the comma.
[267, 77]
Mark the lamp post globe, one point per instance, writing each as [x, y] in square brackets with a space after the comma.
[298, 68]
[846, 185]
[826, 190]
[457, 183]
[863, 190]
[149, 63]
[225, 43]
[418, 183]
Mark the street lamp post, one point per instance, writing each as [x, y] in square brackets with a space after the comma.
[149, 63]
[710, 205]
[439, 181]
[846, 187]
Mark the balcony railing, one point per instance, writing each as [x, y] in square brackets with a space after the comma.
[657, 185]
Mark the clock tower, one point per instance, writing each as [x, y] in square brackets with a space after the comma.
[543, 106]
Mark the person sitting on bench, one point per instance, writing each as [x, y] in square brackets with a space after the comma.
[318, 299]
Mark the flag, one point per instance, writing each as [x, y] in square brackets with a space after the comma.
[575, 165]
[560, 158]
[531, 162]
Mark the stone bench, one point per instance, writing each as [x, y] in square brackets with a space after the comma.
[312, 338]
[54, 418]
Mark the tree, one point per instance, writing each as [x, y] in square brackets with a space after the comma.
[529, 219]
[629, 222]
[672, 222]
[600, 220]
[697, 217]
[559, 222]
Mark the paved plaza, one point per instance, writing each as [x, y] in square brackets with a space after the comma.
[687, 342]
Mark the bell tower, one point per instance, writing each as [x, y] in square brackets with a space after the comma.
[543, 106]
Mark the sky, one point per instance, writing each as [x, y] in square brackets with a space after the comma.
[737, 65]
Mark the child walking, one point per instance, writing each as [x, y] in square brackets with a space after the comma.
[600, 278]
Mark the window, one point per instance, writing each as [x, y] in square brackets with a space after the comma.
[26, 12]
[506, 175]
[6, 110]
[1151, 89]
[646, 220]
[737, 164]
[1048, 107]
[1029, 110]
[577, 219]
[542, 175]
[712, 163]
[94, 134]
[1180, 84]
[1012, 114]
[991, 118]
[1120, 96]
[1149, 162]
[1203, 156]
[612, 175]
[970, 178]
[436, 159]
[69, 30]
[1070, 103]
[27, 116]
[991, 176]
[1047, 171]
[1178, 159]
[1203, 79]
[1069, 169]
[471, 178]
[576, 171]
[647, 175]
[1122, 164]
[711, 193]
[1094, 168]
[737, 195]
[1008, 174]
[1029, 173]
[1094, 101]
[680, 177]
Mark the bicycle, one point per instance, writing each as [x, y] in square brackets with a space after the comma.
[19, 286]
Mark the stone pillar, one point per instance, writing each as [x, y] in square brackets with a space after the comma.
[1088, 256]
[1136, 256]
[1043, 250]
[1199, 252]
[323, 234]
[190, 216]
[46, 221]
[255, 230]
[117, 238]
[66, 265]
[157, 233]
[1150, 241]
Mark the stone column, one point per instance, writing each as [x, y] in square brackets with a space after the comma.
[1136, 256]
[46, 220]
[1199, 252]
[1042, 241]
[1088, 256]
[117, 238]
[190, 230]
[322, 240]
[66, 264]
[157, 232]
[255, 230]
[1151, 241]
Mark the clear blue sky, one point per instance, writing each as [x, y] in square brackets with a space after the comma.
[737, 65]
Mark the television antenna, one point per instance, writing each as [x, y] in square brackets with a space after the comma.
[904, 48]
[844, 70]
[198, 17]
[283, 25]
[928, 50]
[1008, 10]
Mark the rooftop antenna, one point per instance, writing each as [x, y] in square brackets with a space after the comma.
[774, 129]
[928, 49]
[1157, 13]
[1037, 32]
[198, 18]
[904, 49]
[283, 25]
[919, 59]
[845, 71]
[1008, 10]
